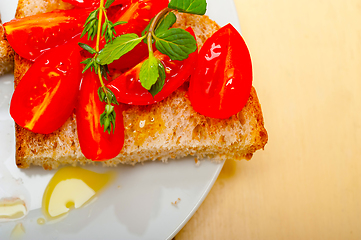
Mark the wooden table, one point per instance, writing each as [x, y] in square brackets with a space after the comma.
[306, 184]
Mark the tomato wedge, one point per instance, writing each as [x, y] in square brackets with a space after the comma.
[92, 3]
[32, 36]
[128, 89]
[138, 15]
[94, 142]
[46, 95]
[222, 81]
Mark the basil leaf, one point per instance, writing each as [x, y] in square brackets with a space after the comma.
[104, 71]
[93, 15]
[166, 22]
[87, 48]
[158, 86]
[189, 6]
[86, 61]
[149, 72]
[116, 49]
[104, 27]
[118, 23]
[107, 118]
[108, 3]
[176, 43]
[110, 95]
[89, 63]
[101, 94]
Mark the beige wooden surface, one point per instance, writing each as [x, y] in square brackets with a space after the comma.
[307, 183]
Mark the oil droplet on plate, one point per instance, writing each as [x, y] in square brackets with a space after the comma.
[18, 231]
[72, 187]
[41, 221]
[12, 209]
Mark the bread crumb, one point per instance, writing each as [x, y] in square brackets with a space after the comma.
[198, 163]
[176, 202]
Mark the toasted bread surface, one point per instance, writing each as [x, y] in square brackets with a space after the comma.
[27, 8]
[168, 129]
[6, 53]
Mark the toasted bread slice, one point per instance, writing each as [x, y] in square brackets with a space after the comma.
[6, 53]
[168, 129]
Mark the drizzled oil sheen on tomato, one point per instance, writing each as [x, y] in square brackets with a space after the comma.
[46, 95]
[32, 36]
[94, 142]
[222, 82]
[128, 89]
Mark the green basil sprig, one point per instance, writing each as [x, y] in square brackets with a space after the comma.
[94, 27]
[198, 7]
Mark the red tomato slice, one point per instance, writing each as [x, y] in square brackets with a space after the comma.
[94, 142]
[222, 81]
[128, 89]
[32, 36]
[138, 15]
[92, 3]
[46, 95]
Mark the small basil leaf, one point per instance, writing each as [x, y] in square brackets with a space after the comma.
[107, 118]
[158, 86]
[116, 49]
[110, 95]
[118, 23]
[101, 94]
[108, 3]
[166, 23]
[109, 109]
[149, 72]
[89, 63]
[87, 48]
[90, 33]
[92, 16]
[86, 61]
[189, 6]
[176, 43]
[104, 71]
[104, 27]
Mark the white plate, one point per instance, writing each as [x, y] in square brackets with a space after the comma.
[140, 209]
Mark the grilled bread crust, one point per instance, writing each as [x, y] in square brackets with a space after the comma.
[168, 129]
[6, 53]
